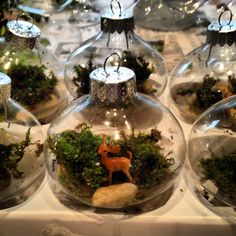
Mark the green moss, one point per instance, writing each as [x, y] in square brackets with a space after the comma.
[221, 170]
[30, 84]
[81, 80]
[159, 45]
[205, 95]
[140, 66]
[76, 152]
[45, 42]
[11, 155]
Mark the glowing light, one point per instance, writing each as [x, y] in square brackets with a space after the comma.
[107, 123]
[117, 136]
[7, 65]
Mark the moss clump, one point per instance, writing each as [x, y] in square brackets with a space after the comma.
[30, 84]
[149, 166]
[6, 7]
[81, 169]
[138, 64]
[221, 170]
[205, 95]
[12, 154]
[81, 80]
[76, 152]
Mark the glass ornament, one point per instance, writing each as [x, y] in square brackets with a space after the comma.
[117, 34]
[212, 155]
[88, 12]
[35, 72]
[54, 17]
[21, 150]
[207, 74]
[79, 13]
[104, 152]
[212, 9]
[169, 15]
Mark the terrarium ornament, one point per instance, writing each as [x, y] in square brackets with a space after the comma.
[21, 142]
[34, 71]
[117, 34]
[207, 74]
[123, 159]
[212, 156]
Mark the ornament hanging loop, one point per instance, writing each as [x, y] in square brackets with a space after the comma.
[222, 13]
[108, 57]
[23, 14]
[111, 5]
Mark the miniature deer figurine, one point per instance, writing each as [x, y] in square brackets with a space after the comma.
[114, 163]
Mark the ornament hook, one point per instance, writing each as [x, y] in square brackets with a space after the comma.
[105, 62]
[111, 5]
[28, 16]
[222, 12]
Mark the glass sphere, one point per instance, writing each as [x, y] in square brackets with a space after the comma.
[212, 9]
[21, 150]
[54, 17]
[212, 152]
[35, 72]
[117, 35]
[167, 15]
[205, 76]
[104, 152]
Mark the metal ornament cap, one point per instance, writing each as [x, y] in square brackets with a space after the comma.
[222, 32]
[117, 21]
[112, 25]
[5, 87]
[112, 85]
[22, 34]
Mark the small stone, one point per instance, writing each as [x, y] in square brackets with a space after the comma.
[115, 196]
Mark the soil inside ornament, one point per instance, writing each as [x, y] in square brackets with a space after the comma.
[193, 99]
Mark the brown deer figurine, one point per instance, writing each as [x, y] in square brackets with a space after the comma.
[114, 163]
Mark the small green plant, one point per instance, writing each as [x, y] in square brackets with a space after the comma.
[10, 156]
[30, 84]
[140, 66]
[81, 80]
[81, 169]
[221, 170]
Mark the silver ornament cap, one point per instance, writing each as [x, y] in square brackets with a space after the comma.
[5, 87]
[22, 34]
[112, 85]
[222, 32]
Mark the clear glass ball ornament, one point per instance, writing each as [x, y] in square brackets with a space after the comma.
[36, 74]
[104, 152]
[212, 154]
[59, 31]
[117, 34]
[170, 15]
[207, 74]
[21, 149]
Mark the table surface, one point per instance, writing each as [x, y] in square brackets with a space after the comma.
[183, 214]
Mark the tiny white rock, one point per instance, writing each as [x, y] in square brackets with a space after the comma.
[114, 196]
